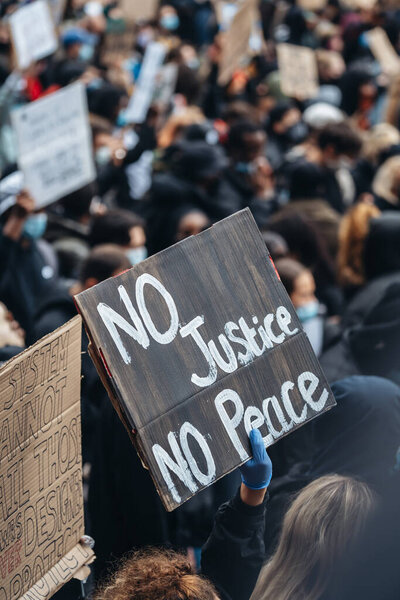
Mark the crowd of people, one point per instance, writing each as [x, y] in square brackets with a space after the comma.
[319, 517]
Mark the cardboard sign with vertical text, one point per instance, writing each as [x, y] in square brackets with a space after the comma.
[197, 345]
[41, 498]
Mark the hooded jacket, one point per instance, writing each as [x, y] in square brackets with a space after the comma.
[369, 347]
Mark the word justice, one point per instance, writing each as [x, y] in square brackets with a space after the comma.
[277, 414]
[252, 341]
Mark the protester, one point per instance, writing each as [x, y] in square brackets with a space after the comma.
[175, 579]
[186, 125]
[300, 286]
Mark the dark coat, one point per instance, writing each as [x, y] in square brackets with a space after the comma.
[371, 347]
[124, 508]
[27, 273]
[234, 553]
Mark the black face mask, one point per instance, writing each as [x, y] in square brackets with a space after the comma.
[297, 133]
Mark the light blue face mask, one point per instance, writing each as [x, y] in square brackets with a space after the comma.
[246, 168]
[308, 311]
[86, 52]
[136, 255]
[170, 22]
[121, 119]
[102, 156]
[35, 226]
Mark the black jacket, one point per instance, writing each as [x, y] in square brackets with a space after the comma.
[124, 508]
[234, 553]
[26, 275]
[371, 347]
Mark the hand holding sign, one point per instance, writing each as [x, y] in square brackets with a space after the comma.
[257, 472]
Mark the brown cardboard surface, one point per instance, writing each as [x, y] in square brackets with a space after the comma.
[137, 10]
[299, 72]
[67, 567]
[236, 40]
[41, 500]
[173, 339]
[383, 51]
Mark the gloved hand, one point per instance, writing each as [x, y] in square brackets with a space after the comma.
[257, 472]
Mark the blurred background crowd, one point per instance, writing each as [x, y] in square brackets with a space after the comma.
[320, 174]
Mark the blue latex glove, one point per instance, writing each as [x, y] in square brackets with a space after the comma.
[257, 472]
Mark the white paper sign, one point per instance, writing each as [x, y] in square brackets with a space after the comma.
[54, 144]
[10, 187]
[33, 33]
[143, 94]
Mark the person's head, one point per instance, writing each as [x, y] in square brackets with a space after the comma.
[382, 247]
[123, 228]
[198, 162]
[275, 243]
[103, 262]
[353, 232]
[285, 123]
[246, 142]
[306, 182]
[169, 18]
[107, 101]
[238, 111]
[300, 285]
[325, 518]
[319, 115]
[177, 123]
[386, 183]
[77, 43]
[380, 138]
[360, 436]
[339, 145]
[191, 222]
[76, 205]
[155, 574]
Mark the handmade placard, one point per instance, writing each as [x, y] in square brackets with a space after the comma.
[298, 70]
[33, 33]
[41, 497]
[55, 144]
[197, 345]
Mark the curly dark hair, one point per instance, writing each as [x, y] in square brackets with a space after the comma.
[156, 574]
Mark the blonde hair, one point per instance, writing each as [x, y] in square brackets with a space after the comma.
[379, 138]
[156, 574]
[324, 518]
[353, 231]
[384, 179]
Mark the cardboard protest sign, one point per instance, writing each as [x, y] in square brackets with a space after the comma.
[383, 51]
[197, 345]
[137, 10]
[57, 9]
[298, 70]
[33, 33]
[236, 42]
[41, 499]
[142, 96]
[54, 144]
[359, 4]
[117, 46]
[312, 4]
[165, 83]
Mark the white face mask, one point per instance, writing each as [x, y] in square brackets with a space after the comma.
[340, 163]
[103, 155]
[136, 255]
